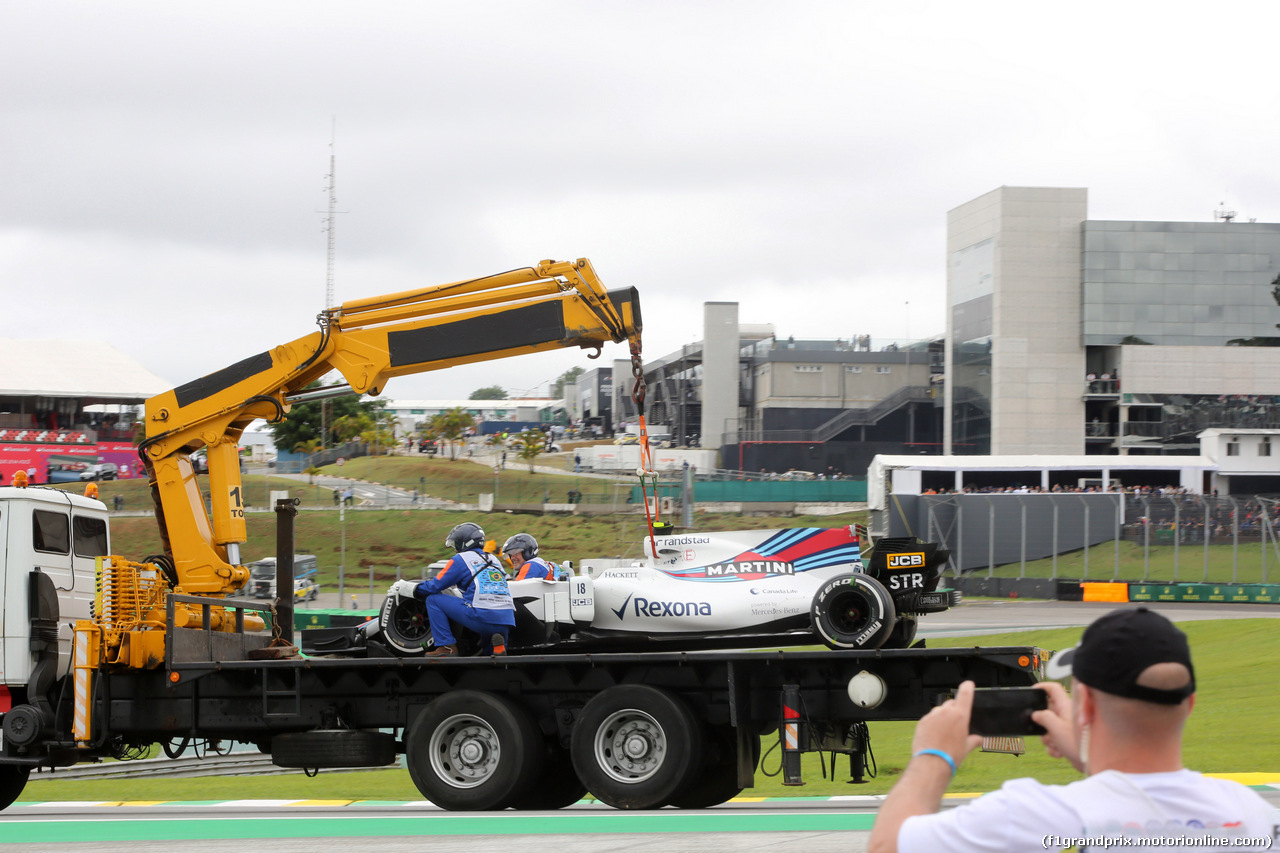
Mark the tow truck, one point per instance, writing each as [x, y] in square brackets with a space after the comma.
[105, 657]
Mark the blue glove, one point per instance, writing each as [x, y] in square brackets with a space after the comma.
[421, 591]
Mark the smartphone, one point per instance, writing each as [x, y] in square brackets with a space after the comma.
[1006, 711]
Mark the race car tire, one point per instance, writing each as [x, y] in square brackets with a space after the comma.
[12, 780]
[405, 627]
[903, 633]
[473, 751]
[559, 785]
[636, 747]
[718, 782]
[853, 611]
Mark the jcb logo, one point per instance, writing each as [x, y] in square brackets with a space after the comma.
[906, 561]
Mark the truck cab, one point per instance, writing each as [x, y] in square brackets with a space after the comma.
[56, 533]
[262, 575]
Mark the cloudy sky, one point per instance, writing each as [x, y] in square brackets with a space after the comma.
[164, 163]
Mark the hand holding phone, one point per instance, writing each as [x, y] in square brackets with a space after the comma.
[1006, 711]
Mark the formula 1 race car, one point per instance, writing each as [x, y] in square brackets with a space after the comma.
[700, 591]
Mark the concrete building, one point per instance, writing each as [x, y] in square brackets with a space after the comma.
[777, 404]
[1072, 336]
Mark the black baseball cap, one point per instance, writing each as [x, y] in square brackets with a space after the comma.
[1118, 647]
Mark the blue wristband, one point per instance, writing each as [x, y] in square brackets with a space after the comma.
[951, 762]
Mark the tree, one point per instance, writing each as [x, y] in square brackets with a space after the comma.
[568, 377]
[450, 427]
[352, 426]
[303, 422]
[310, 447]
[529, 444]
[489, 392]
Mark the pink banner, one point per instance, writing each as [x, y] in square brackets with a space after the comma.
[62, 463]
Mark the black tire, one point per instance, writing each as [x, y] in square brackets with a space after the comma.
[903, 633]
[718, 782]
[474, 751]
[405, 627]
[559, 785]
[333, 748]
[12, 780]
[635, 747]
[853, 611]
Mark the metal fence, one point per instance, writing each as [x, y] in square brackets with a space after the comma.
[1104, 536]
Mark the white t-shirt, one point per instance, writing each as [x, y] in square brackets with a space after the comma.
[1026, 815]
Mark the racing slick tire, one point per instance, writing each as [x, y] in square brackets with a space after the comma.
[12, 780]
[559, 785]
[636, 747]
[474, 751]
[853, 611]
[718, 782]
[405, 627]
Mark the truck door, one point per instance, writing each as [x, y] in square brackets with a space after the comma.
[64, 546]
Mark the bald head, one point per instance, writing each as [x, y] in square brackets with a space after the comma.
[1150, 721]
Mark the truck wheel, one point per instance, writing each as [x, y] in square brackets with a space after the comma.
[718, 782]
[405, 628]
[903, 633]
[473, 751]
[559, 785]
[853, 611]
[12, 780]
[635, 746]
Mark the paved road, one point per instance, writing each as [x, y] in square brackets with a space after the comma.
[990, 617]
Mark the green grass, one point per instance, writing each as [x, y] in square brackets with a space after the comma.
[1160, 565]
[1229, 731]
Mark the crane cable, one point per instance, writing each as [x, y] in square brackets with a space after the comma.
[646, 454]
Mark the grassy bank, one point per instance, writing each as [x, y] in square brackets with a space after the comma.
[408, 540]
[1230, 731]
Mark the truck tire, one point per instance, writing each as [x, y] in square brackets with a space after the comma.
[718, 782]
[474, 751]
[12, 780]
[405, 628]
[333, 748]
[635, 747]
[559, 785]
[853, 611]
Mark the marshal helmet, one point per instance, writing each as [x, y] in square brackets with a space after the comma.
[522, 542]
[465, 537]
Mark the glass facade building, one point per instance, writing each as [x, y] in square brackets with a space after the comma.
[1180, 283]
[1068, 335]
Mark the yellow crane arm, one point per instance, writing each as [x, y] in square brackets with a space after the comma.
[543, 307]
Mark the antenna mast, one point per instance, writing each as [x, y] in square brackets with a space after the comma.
[329, 223]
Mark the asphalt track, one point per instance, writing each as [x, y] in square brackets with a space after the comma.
[800, 824]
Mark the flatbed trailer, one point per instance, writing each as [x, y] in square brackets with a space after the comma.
[637, 730]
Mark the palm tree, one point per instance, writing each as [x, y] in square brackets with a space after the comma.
[531, 443]
[310, 447]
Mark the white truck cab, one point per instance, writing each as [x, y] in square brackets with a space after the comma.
[59, 534]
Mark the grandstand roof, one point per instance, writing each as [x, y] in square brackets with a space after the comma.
[94, 371]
